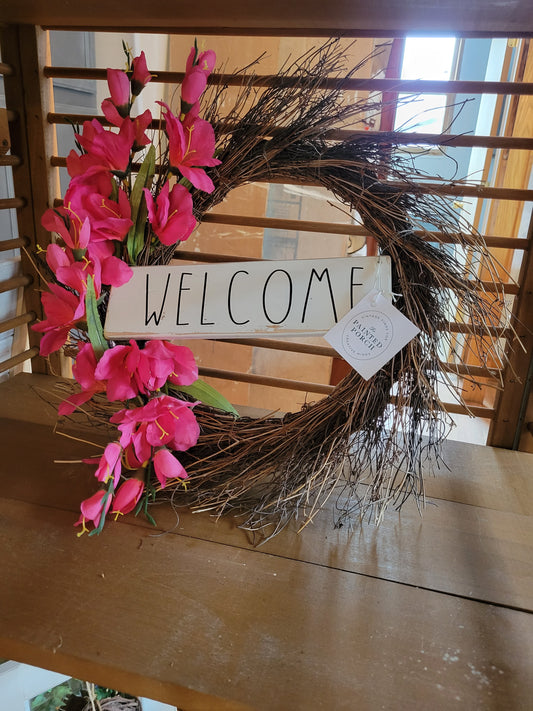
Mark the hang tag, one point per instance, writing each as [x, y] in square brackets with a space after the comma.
[371, 334]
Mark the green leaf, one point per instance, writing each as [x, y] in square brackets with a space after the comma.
[200, 390]
[94, 325]
[139, 211]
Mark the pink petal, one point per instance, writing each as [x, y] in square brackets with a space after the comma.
[198, 178]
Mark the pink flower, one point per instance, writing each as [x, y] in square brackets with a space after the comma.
[198, 69]
[107, 148]
[109, 219]
[94, 509]
[163, 421]
[110, 465]
[87, 216]
[140, 123]
[167, 363]
[140, 76]
[113, 271]
[119, 88]
[171, 216]
[83, 371]
[191, 143]
[130, 460]
[204, 60]
[118, 368]
[167, 467]
[63, 309]
[192, 87]
[70, 272]
[127, 496]
[73, 230]
[128, 370]
[95, 179]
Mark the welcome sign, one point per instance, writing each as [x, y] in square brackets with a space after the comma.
[303, 297]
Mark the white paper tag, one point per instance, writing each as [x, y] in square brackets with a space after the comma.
[371, 334]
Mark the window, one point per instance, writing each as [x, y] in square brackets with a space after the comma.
[430, 58]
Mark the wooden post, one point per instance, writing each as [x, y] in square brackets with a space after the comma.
[25, 48]
[504, 429]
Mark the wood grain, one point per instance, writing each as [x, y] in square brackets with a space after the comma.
[303, 17]
[433, 610]
[188, 620]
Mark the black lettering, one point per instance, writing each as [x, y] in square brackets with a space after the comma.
[153, 315]
[230, 312]
[282, 271]
[181, 289]
[205, 323]
[315, 273]
[352, 284]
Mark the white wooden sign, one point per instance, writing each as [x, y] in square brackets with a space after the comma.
[303, 297]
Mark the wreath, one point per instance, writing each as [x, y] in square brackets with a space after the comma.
[130, 204]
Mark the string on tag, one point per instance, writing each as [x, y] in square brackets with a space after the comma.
[378, 283]
[378, 288]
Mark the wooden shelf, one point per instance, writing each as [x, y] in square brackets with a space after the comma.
[309, 18]
[422, 612]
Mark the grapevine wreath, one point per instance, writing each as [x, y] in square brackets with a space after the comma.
[132, 200]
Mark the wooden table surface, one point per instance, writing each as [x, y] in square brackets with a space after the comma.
[422, 612]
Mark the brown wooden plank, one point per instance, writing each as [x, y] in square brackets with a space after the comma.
[266, 380]
[345, 229]
[28, 354]
[15, 283]
[302, 16]
[246, 627]
[10, 160]
[12, 203]
[324, 31]
[23, 48]
[400, 138]
[449, 547]
[16, 321]
[488, 477]
[8, 244]
[508, 424]
[406, 86]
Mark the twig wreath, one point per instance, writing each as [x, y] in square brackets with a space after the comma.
[369, 439]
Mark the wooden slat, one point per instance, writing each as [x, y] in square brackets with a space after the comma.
[506, 427]
[456, 409]
[286, 384]
[322, 228]
[16, 321]
[327, 352]
[405, 86]
[212, 258]
[400, 138]
[307, 16]
[20, 358]
[461, 140]
[344, 229]
[25, 48]
[459, 190]
[12, 203]
[8, 244]
[268, 380]
[300, 31]
[494, 331]
[5, 69]
[10, 160]
[15, 283]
